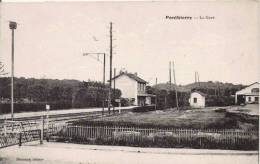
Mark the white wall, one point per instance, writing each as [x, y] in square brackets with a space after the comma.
[252, 99]
[200, 100]
[247, 90]
[127, 86]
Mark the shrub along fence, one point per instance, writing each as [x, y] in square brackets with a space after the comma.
[144, 108]
[161, 137]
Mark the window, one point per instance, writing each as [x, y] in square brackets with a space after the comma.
[195, 99]
[256, 99]
[255, 90]
[249, 99]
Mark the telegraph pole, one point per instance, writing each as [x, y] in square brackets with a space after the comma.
[176, 92]
[195, 77]
[104, 83]
[114, 89]
[196, 81]
[170, 76]
[110, 74]
[12, 26]
[156, 94]
[114, 79]
[198, 78]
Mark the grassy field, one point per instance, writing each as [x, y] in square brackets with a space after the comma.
[196, 119]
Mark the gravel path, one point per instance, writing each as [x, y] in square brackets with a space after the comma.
[63, 153]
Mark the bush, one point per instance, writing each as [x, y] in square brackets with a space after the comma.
[212, 100]
[127, 101]
[143, 109]
[199, 140]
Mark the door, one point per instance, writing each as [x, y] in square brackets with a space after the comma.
[240, 99]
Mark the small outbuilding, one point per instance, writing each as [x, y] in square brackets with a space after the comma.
[197, 99]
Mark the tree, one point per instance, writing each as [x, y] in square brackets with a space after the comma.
[38, 93]
[5, 87]
[2, 70]
[150, 90]
[55, 94]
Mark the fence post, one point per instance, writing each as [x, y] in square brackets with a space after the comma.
[119, 107]
[47, 125]
[5, 128]
[20, 138]
[42, 128]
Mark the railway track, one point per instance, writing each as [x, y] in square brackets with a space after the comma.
[26, 126]
[64, 117]
[29, 123]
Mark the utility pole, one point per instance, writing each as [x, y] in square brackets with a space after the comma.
[42, 130]
[156, 95]
[170, 76]
[176, 92]
[195, 77]
[104, 83]
[198, 78]
[114, 79]
[114, 89]
[218, 88]
[104, 74]
[12, 26]
[110, 75]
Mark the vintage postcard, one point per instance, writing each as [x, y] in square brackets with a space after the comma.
[120, 82]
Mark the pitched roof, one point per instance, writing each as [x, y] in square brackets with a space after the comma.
[201, 93]
[132, 76]
[252, 84]
[237, 92]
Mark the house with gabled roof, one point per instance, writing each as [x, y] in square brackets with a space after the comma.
[197, 99]
[133, 88]
[248, 95]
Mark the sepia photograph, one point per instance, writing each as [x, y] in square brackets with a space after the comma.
[121, 82]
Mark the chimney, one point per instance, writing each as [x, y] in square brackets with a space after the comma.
[135, 73]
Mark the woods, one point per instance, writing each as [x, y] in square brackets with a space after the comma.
[32, 94]
[217, 94]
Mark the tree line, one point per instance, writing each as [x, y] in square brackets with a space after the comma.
[59, 93]
[217, 94]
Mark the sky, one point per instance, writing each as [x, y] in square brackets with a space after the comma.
[51, 38]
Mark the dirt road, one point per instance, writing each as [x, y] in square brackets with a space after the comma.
[62, 153]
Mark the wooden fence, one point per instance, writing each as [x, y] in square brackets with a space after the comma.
[161, 137]
[22, 132]
[139, 136]
[10, 139]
